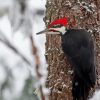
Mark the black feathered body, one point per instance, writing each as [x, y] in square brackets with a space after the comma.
[79, 46]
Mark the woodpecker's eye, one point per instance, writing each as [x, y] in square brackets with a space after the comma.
[57, 26]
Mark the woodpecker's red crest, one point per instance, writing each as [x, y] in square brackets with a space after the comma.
[61, 21]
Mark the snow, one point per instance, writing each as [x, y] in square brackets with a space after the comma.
[16, 71]
[38, 4]
[96, 96]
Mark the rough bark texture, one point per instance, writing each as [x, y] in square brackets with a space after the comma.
[60, 78]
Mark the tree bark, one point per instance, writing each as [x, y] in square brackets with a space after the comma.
[59, 70]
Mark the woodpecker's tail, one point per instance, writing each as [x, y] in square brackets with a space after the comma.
[80, 89]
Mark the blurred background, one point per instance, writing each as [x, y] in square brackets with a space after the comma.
[19, 21]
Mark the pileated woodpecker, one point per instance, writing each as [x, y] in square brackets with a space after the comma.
[79, 46]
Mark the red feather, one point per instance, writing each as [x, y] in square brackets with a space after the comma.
[62, 21]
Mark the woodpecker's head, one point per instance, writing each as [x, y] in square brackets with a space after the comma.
[58, 26]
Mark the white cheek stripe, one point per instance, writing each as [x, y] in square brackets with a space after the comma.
[62, 30]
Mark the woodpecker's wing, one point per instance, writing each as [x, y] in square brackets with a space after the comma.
[78, 45]
[74, 40]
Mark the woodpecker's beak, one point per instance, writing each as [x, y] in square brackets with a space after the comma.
[41, 32]
[49, 31]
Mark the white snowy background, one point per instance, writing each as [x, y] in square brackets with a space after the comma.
[17, 78]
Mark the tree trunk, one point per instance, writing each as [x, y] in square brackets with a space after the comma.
[59, 70]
